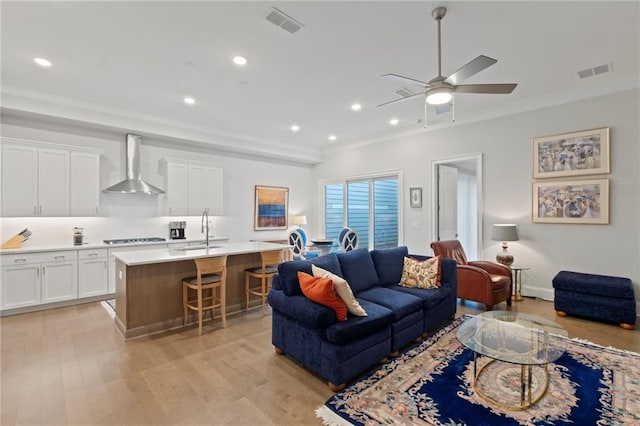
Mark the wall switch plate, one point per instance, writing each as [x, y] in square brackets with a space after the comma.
[415, 224]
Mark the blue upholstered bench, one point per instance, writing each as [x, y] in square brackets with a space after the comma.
[599, 297]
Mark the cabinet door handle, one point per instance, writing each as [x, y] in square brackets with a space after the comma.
[169, 211]
[35, 211]
[40, 210]
[105, 264]
[20, 260]
[38, 272]
[43, 269]
[58, 257]
[93, 254]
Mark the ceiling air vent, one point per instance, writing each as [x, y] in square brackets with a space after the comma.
[284, 21]
[404, 92]
[590, 72]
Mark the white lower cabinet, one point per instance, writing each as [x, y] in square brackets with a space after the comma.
[92, 273]
[36, 278]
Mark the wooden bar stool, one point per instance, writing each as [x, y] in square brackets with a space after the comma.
[270, 262]
[211, 276]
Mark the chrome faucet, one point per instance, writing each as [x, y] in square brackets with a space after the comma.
[205, 226]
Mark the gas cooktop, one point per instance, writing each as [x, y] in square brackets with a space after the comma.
[135, 240]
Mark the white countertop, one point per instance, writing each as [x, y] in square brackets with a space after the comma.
[35, 248]
[163, 255]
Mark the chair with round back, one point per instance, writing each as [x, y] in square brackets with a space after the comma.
[349, 240]
[270, 261]
[342, 233]
[297, 244]
[211, 278]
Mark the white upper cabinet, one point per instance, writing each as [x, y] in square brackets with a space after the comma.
[35, 181]
[176, 189]
[194, 188]
[42, 181]
[85, 184]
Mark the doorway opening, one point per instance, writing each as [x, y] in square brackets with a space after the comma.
[457, 201]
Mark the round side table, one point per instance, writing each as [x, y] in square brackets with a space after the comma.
[517, 281]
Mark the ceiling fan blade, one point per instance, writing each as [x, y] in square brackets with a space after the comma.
[485, 88]
[401, 99]
[470, 68]
[404, 79]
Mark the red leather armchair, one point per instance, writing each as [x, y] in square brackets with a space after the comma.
[482, 281]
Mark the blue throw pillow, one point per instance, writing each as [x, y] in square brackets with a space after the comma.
[329, 263]
[389, 263]
[358, 269]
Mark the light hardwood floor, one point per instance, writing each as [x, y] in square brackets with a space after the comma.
[70, 366]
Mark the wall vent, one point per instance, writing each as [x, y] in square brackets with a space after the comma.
[597, 70]
[284, 21]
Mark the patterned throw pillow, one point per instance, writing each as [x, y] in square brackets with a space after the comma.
[419, 274]
[343, 289]
[321, 290]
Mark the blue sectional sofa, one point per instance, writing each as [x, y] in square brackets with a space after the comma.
[338, 351]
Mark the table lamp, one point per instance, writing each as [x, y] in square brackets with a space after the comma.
[504, 233]
[299, 221]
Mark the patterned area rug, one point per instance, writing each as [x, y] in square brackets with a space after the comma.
[432, 384]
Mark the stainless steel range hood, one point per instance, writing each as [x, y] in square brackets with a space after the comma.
[134, 184]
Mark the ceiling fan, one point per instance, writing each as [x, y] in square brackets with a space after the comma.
[440, 89]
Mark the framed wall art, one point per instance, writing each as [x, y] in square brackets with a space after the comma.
[415, 195]
[578, 201]
[571, 154]
[271, 208]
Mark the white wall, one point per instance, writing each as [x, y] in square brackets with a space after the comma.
[133, 215]
[505, 142]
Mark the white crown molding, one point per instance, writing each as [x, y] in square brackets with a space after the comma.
[28, 101]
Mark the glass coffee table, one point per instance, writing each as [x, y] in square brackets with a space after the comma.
[512, 339]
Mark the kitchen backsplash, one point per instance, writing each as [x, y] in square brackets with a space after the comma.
[58, 230]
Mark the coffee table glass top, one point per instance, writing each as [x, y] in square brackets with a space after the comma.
[514, 337]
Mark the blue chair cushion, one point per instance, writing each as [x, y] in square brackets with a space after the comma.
[358, 269]
[302, 309]
[355, 328]
[430, 297]
[389, 263]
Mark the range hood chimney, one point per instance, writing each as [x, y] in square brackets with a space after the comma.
[133, 184]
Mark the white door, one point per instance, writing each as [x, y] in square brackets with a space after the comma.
[447, 203]
[20, 286]
[85, 184]
[19, 180]
[59, 281]
[53, 182]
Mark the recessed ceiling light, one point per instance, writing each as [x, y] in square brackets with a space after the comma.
[394, 121]
[189, 100]
[356, 107]
[42, 62]
[332, 137]
[295, 128]
[239, 60]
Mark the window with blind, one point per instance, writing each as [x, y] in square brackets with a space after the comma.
[368, 206]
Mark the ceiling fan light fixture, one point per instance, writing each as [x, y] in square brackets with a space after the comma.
[439, 96]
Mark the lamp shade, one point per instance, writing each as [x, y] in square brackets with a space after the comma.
[505, 232]
[299, 220]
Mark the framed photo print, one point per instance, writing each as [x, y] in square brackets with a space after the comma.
[271, 207]
[415, 197]
[578, 201]
[571, 154]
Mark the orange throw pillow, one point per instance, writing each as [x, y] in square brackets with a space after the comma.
[321, 290]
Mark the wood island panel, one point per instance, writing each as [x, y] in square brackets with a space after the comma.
[149, 296]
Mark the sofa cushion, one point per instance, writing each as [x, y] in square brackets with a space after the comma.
[288, 272]
[388, 263]
[355, 328]
[358, 269]
[321, 291]
[429, 296]
[343, 289]
[401, 304]
[421, 274]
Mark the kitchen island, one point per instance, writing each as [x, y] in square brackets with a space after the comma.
[149, 283]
